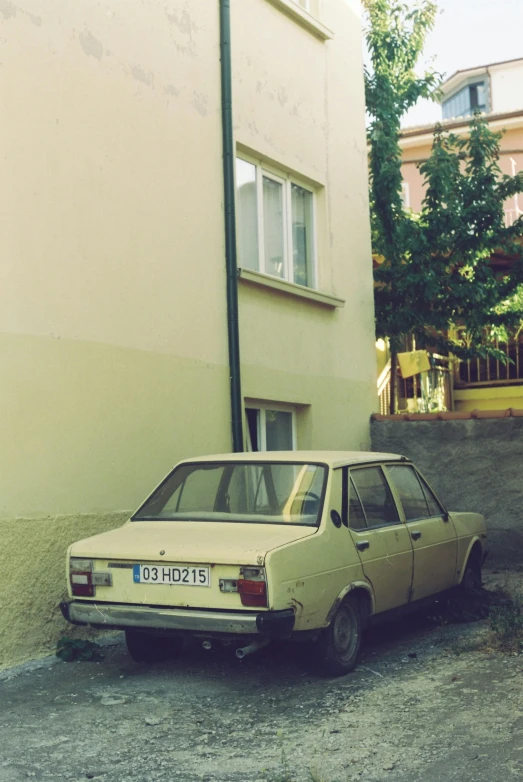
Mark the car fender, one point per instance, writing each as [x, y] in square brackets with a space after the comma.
[343, 594]
[480, 538]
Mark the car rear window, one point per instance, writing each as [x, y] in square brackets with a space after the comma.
[253, 492]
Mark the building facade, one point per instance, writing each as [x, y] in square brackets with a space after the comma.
[114, 315]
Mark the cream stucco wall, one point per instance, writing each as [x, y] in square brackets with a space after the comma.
[298, 110]
[113, 313]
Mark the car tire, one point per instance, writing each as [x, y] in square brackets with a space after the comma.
[149, 648]
[337, 648]
[471, 582]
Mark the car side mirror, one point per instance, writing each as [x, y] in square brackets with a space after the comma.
[336, 518]
[446, 516]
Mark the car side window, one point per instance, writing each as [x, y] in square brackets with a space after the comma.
[357, 519]
[435, 508]
[411, 494]
[375, 495]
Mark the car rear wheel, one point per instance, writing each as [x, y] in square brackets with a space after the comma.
[338, 647]
[149, 648]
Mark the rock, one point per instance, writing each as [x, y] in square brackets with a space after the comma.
[111, 700]
[152, 721]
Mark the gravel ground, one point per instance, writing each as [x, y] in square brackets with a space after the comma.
[425, 705]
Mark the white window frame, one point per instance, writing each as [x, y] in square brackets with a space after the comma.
[305, 4]
[262, 409]
[286, 180]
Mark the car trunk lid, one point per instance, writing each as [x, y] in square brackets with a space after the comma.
[222, 548]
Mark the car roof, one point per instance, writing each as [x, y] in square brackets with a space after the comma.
[330, 458]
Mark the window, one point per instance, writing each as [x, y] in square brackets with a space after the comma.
[375, 496]
[275, 224]
[464, 103]
[270, 429]
[241, 492]
[356, 515]
[435, 509]
[305, 4]
[416, 497]
[410, 492]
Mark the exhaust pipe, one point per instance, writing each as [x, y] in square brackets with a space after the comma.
[243, 651]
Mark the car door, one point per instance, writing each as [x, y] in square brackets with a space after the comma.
[432, 532]
[380, 536]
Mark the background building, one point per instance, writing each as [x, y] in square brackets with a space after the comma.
[113, 319]
[497, 90]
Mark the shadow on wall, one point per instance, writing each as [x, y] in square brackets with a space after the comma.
[473, 465]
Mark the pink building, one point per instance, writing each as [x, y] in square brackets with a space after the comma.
[496, 90]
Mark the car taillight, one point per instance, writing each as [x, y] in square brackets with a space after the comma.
[82, 583]
[252, 587]
[84, 579]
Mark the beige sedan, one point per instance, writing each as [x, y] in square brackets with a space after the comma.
[242, 549]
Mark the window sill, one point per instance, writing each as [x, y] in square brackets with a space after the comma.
[303, 18]
[290, 288]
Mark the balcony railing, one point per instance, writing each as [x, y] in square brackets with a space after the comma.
[491, 371]
[426, 392]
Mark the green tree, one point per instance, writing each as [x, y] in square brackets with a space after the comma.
[435, 272]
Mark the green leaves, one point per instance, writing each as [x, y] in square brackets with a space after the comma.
[435, 270]
[75, 649]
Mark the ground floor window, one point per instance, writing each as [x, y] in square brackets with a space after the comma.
[270, 428]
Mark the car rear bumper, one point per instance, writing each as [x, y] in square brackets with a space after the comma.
[269, 624]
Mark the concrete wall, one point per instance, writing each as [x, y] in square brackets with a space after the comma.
[473, 465]
[113, 329]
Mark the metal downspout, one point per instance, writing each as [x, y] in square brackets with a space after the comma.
[230, 228]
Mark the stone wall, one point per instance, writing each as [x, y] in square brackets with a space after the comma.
[473, 465]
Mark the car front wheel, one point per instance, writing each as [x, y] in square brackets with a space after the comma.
[338, 646]
[148, 648]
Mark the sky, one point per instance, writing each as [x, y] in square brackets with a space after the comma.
[469, 33]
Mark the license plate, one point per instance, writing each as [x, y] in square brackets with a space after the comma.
[172, 574]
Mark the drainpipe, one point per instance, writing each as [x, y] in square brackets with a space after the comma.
[230, 228]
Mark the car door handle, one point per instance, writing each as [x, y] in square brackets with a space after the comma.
[362, 545]
[415, 535]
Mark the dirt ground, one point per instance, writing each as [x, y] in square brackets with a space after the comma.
[425, 705]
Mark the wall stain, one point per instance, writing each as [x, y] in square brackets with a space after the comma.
[8, 10]
[140, 75]
[182, 20]
[170, 89]
[36, 20]
[91, 45]
[199, 102]
[282, 96]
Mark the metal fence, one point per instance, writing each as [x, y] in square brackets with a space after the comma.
[491, 371]
[426, 392]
